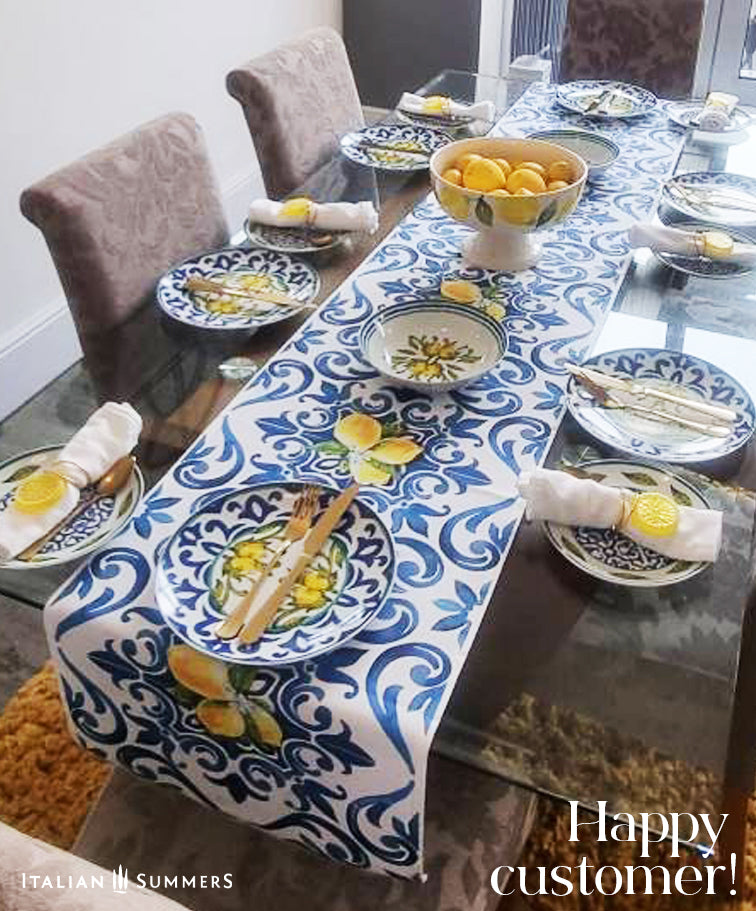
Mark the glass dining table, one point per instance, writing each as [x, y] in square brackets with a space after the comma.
[574, 687]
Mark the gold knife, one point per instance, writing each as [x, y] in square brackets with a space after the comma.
[260, 618]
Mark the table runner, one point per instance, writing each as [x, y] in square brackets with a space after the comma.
[341, 765]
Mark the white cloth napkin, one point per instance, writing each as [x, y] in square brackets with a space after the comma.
[328, 216]
[481, 110]
[556, 496]
[717, 111]
[109, 434]
[664, 239]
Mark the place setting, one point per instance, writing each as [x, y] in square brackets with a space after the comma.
[302, 226]
[696, 248]
[717, 116]
[59, 503]
[393, 146]
[605, 99]
[446, 113]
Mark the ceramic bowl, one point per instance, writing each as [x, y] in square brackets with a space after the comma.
[505, 224]
[598, 152]
[432, 346]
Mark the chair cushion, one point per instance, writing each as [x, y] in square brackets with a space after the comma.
[298, 100]
[474, 823]
[118, 218]
[645, 42]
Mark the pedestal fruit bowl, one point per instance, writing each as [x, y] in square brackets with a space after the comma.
[505, 221]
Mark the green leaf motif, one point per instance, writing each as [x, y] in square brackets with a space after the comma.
[262, 727]
[639, 478]
[484, 212]
[21, 473]
[241, 677]
[547, 214]
[332, 447]
[186, 697]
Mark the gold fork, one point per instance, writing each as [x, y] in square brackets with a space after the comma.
[296, 528]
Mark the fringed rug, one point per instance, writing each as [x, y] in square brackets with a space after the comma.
[48, 784]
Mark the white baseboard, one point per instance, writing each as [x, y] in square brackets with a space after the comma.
[40, 349]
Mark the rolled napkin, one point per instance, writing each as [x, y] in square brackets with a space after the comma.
[440, 106]
[328, 216]
[717, 111]
[109, 434]
[714, 244]
[556, 496]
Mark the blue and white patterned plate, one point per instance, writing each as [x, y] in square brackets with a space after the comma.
[276, 272]
[734, 189]
[626, 100]
[422, 140]
[704, 266]
[87, 531]
[675, 372]
[686, 114]
[609, 555]
[213, 558]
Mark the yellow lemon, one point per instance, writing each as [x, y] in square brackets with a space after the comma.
[496, 311]
[199, 673]
[560, 170]
[523, 191]
[484, 175]
[520, 209]
[396, 451]
[436, 104]
[556, 185]
[501, 192]
[655, 514]
[464, 160]
[39, 492]
[461, 291]
[452, 175]
[455, 202]
[298, 208]
[357, 431]
[365, 472]
[506, 167]
[221, 718]
[317, 582]
[527, 179]
[533, 166]
[307, 597]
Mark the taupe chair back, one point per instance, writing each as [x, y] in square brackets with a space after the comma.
[298, 100]
[118, 218]
[645, 42]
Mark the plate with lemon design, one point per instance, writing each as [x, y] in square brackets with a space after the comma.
[85, 532]
[613, 557]
[672, 371]
[393, 147]
[245, 270]
[213, 559]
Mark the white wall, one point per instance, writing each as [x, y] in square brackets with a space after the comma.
[75, 74]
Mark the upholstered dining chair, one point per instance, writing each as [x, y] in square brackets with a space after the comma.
[645, 42]
[118, 218]
[298, 100]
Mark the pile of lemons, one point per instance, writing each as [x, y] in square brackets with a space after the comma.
[499, 177]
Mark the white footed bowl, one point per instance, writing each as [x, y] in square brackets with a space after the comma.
[505, 224]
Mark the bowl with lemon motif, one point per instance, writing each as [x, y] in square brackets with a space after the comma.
[432, 346]
[507, 189]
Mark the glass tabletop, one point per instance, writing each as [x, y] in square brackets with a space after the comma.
[574, 687]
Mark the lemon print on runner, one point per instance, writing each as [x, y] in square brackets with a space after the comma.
[39, 492]
[461, 291]
[517, 210]
[369, 451]
[654, 514]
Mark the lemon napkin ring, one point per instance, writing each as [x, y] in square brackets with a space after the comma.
[437, 104]
[71, 472]
[299, 207]
[714, 244]
[652, 513]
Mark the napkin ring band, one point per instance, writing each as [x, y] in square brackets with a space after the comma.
[73, 473]
[627, 505]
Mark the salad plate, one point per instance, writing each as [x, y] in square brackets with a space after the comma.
[215, 556]
[604, 99]
[686, 115]
[609, 555]
[393, 147]
[671, 371]
[292, 240]
[85, 532]
[249, 271]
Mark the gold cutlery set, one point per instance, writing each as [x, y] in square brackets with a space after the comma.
[615, 392]
[199, 285]
[300, 544]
